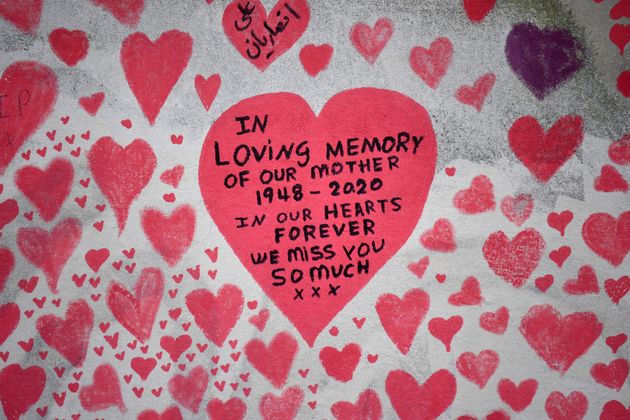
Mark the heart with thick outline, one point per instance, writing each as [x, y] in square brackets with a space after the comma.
[287, 137]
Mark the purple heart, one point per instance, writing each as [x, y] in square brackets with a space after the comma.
[543, 58]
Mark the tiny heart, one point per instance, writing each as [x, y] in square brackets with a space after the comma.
[543, 153]
[284, 25]
[367, 407]
[514, 260]
[20, 389]
[478, 368]
[95, 258]
[127, 12]
[560, 221]
[610, 180]
[136, 312]
[543, 58]
[49, 251]
[121, 173]
[619, 151]
[273, 361]
[440, 237]
[22, 116]
[401, 318]
[477, 10]
[520, 396]
[217, 315]
[170, 235]
[607, 236]
[286, 406]
[476, 94]
[24, 14]
[188, 390]
[559, 340]
[369, 42]
[445, 329]
[315, 58]
[104, 392]
[420, 401]
[432, 64]
[207, 88]
[495, 322]
[143, 62]
[585, 283]
[340, 364]
[561, 407]
[91, 104]
[478, 198]
[517, 209]
[70, 46]
[617, 289]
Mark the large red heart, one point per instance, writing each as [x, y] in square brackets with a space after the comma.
[70, 46]
[24, 14]
[262, 38]
[70, 336]
[50, 251]
[607, 236]
[136, 312]
[559, 340]
[121, 173]
[544, 153]
[20, 389]
[153, 68]
[217, 315]
[29, 90]
[7, 262]
[46, 189]
[370, 215]
[414, 401]
[170, 235]
[9, 320]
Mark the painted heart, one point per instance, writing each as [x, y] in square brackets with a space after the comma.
[153, 68]
[23, 14]
[175, 347]
[207, 89]
[470, 293]
[103, 392]
[612, 375]
[476, 94]
[440, 237]
[121, 173]
[402, 317]
[136, 312]
[232, 409]
[188, 390]
[571, 407]
[69, 336]
[607, 236]
[29, 91]
[445, 329]
[46, 189]
[340, 364]
[543, 58]
[514, 260]
[273, 361]
[614, 410]
[543, 154]
[91, 104]
[262, 38]
[49, 251]
[9, 320]
[517, 209]
[409, 141]
[173, 176]
[170, 235]
[610, 180]
[420, 401]
[367, 407]
[478, 368]
[585, 283]
[127, 12]
[560, 221]
[517, 396]
[9, 210]
[285, 406]
[477, 10]
[70, 46]
[171, 413]
[217, 315]
[619, 151]
[315, 58]
[369, 42]
[495, 322]
[143, 367]
[20, 389]
[95, 258]
[559, 340]
[617, 289]
[432, 64]
[478, 198]
[7, 262]
[620, 36]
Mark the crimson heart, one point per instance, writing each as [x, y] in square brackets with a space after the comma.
[559, 407]
[70, 336]
[262, 38]
[232, 409]
[275, 360]
[315, 58]
[189, 390]
[7, 262]
[402, 317]
[153, 68]
[20, 389]
[171, 413]
[136, 312]
[9, 320]
[70, 46]
[340, 364]
[24, 14]
[544, 153]
[478, 368]
[559, 340]
[170, 235]
[46, 189]
[207, 89]
[50, 251]
[607, 236]
[367, 407]
[29, 91]
[477, 10]
[371, 41]
[128, 12]
[91, 104]
[217, 315]
[9, 210]
[121, 173]
[432, 63]
[420, 401]
[285, 406]
[314, 225]
[104, 392]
